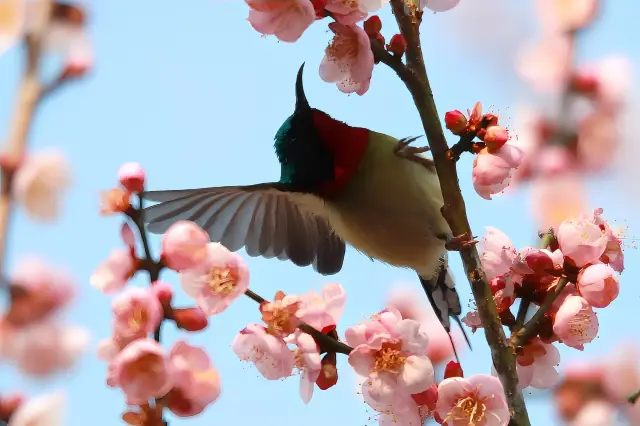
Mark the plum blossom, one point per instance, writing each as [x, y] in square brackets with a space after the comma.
[394, 362]
[546, 63]
[184, 245]
[270, 354]
[536, 365]
[492, 170]
[40, 183]
[566, 15]
[348, 12]
[217, 281]
[498, 253]
[472, 320]
[401, 410]
[197, 382]
[112, 275]
[287, 20]
[307, 361]
[439, 5]
[132, 177]
[613, 254]
[478, 400]
[348, 59]
[382, 322]
[38, 291]
[575, 322]
[136, 311]
[12, 14]
[598, 285]
[110, 347]
[595, 413]
[44, 410]
[280, 315]
[46, 348]
[581, 240]
[323, 311]
[143, 371]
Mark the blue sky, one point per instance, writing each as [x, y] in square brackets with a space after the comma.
[195, 95]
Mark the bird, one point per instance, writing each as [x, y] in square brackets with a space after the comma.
[338, 185]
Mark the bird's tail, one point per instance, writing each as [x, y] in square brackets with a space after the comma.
[444, 300]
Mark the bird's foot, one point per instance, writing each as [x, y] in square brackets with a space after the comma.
[460, 242]
[411, 153]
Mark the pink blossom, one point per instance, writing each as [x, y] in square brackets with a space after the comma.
[46, 348]
[492, 170]
[287, 20]
[439, 5]
[553, 160]
[556, 198]
[109, 348]
[40, 183]
[136, 310]
[382, 322]
[613, 75]
[581, 240]
[112, 275]
[128, 237]
[598, 140]
[132, 177]
[536, 365]
[498, 253]
[216, 282]
[613, 254]
[478, 400]
[280, 315]
[323, 311]
[270, 354]
[621, 375]
[546, 63]
[575, 323]
[184, 245]
[566, 15]
[394, 362]
[595, 413]
[44, 410]
[307, 361]
[38, 291]
[348, 59]
[348, 12]
[197, 382]
[598, 285]
[143, 371]
[472, 320]
[399, 406]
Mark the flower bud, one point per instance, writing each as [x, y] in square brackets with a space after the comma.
[372, 26]
[190, 319]
[115, 200]
[453, 369]
[163, 292]
[329, 373]
[397, 45]
[455, 121]
[132, 177]
[495, 137]
[428, 397]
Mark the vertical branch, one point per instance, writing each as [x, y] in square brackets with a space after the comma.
[409, 17]
[29, 95]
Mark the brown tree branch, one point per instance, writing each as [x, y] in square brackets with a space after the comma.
[408, 17]
[27, 101]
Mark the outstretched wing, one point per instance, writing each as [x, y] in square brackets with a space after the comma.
[263, 218]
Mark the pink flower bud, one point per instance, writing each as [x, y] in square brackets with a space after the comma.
[497, 284]
[598, 285]
[184, 245]
[163, 292]
[455, 121]
[132, 177]
[190, 319]
[495, 137]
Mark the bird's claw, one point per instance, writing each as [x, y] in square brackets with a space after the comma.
[460, 242]
[404, 150]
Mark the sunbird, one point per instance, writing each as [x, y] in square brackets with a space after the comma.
[338, 185]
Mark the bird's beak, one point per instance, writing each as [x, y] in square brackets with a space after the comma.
[302, 104]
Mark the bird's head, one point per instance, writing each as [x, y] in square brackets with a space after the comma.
[316, 152]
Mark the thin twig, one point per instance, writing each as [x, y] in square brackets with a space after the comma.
[634, 397]
[408, 18]
[28, 99]
[326, 343]
[529, 330]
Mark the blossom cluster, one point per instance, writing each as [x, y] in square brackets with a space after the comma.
[574, 273]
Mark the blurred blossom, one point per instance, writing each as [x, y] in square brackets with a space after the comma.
[287, 20]
[40, 183]
[595, 413]
[545, 64]
[566, 15]
[348, 59]
[11, 23]
[112, 275]
[439, 5]
[555, 198]
[44, 410]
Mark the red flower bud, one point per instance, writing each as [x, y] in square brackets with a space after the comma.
[329, 373]
[456, 122]
[428, 397]
[190, 319]
[453, 369]
[585, 84]
[372, 26]
[539, 261]
[397, 45]
[319, 6]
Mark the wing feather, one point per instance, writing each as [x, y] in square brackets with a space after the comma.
[264, 218]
